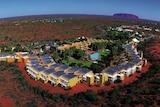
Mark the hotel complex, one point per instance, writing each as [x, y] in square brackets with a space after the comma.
[44, 68]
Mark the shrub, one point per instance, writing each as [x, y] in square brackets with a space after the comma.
[118, 81]
[107, 83]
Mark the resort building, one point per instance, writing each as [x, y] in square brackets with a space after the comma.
[73, 69]
[35, 71]
[68, 80]
[101, 78]
[33, 62]
[46, 60]
[112, 74]
[3, 57]
[45, 75]
[25, 59]
[83, 45]
[90, 78]
[125, 70]
[128, 69]
[63, 67]
[55, 77]
[56, 66]
[85, 74]
[10, 58]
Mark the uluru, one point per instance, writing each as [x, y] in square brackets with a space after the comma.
[126, 15]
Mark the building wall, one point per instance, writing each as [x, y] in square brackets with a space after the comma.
[43, 77]
[39, 75]
[47, 79]
[133, 69]
[112, 77]
[10, 59]
[144, 63]
[120, 77]
[103, 78]
[138, 68]
[3, 59]
[19, 59]
[25, 59]
[32, 72]
[57, 81]
[73, 82]
[128, 72]
[90, 80]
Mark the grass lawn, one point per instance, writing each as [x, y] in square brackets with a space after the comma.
[106, 52]
[77, 62]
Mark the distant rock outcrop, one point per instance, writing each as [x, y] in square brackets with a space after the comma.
[124, 15]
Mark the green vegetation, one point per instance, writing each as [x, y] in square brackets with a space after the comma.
[117, 81]
[6, 48]
[107, 83]
[115, 35]
[105, 52]
[96, 67]
[75, 62]
[96, 46]
[73, 52]
[91, 96]
[105, 60]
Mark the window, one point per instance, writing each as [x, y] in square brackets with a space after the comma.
[53, 79]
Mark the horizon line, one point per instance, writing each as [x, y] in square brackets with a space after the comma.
[74, 14]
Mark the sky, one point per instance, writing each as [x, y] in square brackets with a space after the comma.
[144, 9]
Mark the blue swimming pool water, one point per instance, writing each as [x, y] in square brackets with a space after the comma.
[94, 56]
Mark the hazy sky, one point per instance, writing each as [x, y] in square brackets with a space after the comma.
[145, 9]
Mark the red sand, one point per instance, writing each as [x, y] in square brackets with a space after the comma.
[5, 101]
[12, 96]
[155, 48]
[81, 87]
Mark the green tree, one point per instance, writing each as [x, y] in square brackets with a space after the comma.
[114, 50]
[79, 54]
[91, 96]
[55, 56]
[98, 45]
[96, 67]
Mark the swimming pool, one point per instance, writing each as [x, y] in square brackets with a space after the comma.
[94, 56]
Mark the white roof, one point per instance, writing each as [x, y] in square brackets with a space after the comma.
[89, 75]
[135, 40]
